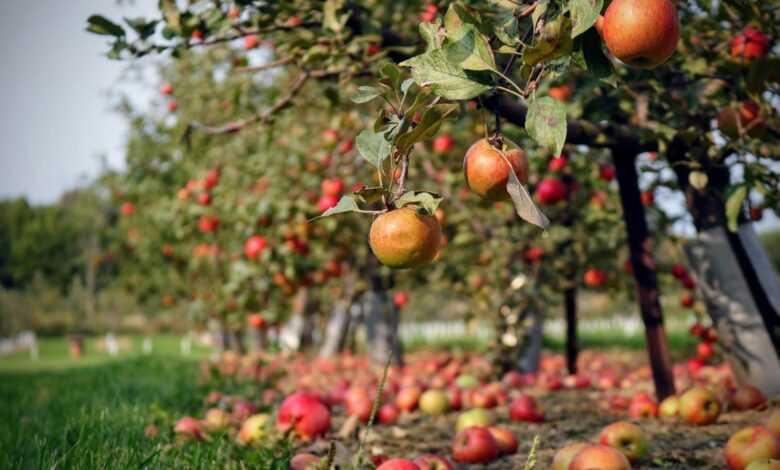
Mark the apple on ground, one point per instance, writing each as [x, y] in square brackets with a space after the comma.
[305, 413]
[764, 464]
[564, 456]
[669, 407]
[253, 429]
[747, 397]
[475, 445]
[433, 462]
[304, 461]
[626, 437]
[599, 457]
[750, 444]
[398, 464]
[524, 408]
[699, 406]
[475, 417]
[506, 440]
[434, 402]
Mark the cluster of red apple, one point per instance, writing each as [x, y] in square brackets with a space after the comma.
[435, 384]
[167, 90]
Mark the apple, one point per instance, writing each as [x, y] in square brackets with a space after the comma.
[699, 406]
[686, 300]
[533, 254]
[304, 461]
[750, 444]
[189, 428]
[506, 440]
[433, 462]
[626, 437]
[166, 89]
[388, 413]
[550, 191]
[400, 298]
[747, 397]
[475, 417]
[398, 464]
[408, 398]
[325, 202]
[599, 457]
[607, 172]
[428, 15]
[669, 407]
[482, 398]
[251, 42]
[373, 49]
[642, 407]
[647, 198]
[466, 381]
[640, 33]
[127, 209]
[487, 168]
[358, 403]
[332, 187]
[212, 178]
[561, 92]
[749, 44]
[254, 246]
[172, 105]
[557, 164]
[204, 199]
[756, 213]
[434, 402]
[705, 351]
[564, 456]
[678, 271]
[475, 445]
[305, 413]
[773, 422]
[745, 118]
[524, 408]
[595, 278]
[253, 430]
[455, 398]
[216, 419]
[443, 144]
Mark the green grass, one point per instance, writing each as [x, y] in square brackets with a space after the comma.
[91, 413]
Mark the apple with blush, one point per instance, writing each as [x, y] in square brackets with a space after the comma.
[475, 445]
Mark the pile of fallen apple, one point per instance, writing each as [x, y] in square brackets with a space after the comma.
[313, 395]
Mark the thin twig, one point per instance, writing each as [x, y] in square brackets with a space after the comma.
[266, 66]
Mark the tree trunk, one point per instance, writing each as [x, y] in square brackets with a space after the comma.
[297, 334]
[381, 327]
[739, 286]
[643, 264]
[90, 278]
[572, 348]
[532, 341]
[337, 329]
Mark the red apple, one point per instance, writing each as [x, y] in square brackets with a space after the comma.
[699, 406]
[599, 457]
[251, 42]
[216, 419]
[398, 464]
[189, 428]
[750, 444]
[475, 445]
[750, 44]
[304, 461]
[408, 398]
[305, 413]
[172, 106]
[524, 408]
[564, 456]
[400, 298]
[204, 199]
[641, 33]
[506, 440]
[607, 172]
[332, 187]
[127, 209]
[388, 413]
[747, 397]
[443, 144]
[325, 202]
[642, 408]
[647, 198]
[254, 246]
[551, 191]
[557, 164]
[433, 462]
[595, 278]
[166, 89]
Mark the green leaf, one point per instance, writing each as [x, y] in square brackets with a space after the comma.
[171, 14]
[446, 79]
[427, 127]
[373, 147]
[470, 50]
[597, 63]
[430, 34]
[546, 123]
[507, 29]
[369, 195]
[365, 94]
[427, 200]
[346, 204]
[141, 26]
[524, 204]
[734, 206]
[393, 73]
[331, 19]
[554, 42]
[584, 14]
[698, 179]
[101, 25]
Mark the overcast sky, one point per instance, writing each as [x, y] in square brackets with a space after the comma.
[54, 111]
[55, 114]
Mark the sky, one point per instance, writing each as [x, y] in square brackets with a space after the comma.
[55, 111]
